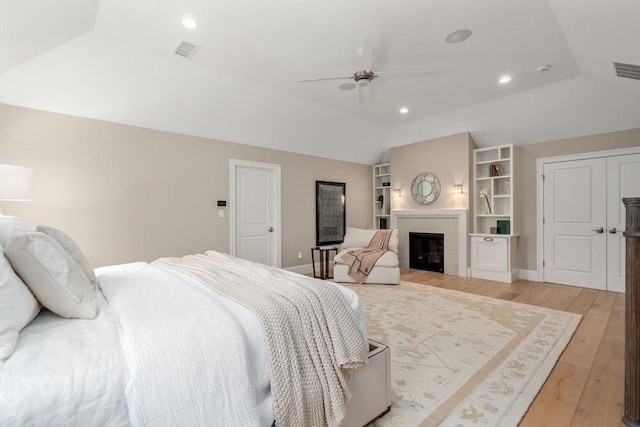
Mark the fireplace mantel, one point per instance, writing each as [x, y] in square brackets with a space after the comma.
[459, 215]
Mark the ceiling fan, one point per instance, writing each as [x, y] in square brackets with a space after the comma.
[365, 74]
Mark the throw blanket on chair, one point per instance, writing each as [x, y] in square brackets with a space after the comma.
[362, 261]
[313, 337]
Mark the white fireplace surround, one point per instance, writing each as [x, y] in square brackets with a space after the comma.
[453, 223]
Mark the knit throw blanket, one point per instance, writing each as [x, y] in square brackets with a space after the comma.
[362, 261]
[313, 337]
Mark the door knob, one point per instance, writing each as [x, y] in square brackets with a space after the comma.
[599, 230]
[270, 229]
[612, 230]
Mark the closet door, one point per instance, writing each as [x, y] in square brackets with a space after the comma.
[623, 180]
[575, 242]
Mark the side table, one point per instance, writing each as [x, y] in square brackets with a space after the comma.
[324, 253]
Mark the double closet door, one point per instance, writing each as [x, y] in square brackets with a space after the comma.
[584, 219]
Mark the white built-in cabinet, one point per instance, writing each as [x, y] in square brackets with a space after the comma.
[493, 244]
[381, 195]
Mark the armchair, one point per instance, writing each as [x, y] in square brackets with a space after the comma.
[386, 269]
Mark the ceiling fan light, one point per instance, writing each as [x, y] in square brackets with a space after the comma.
[189, 23]
[347, 86]
[364, 82]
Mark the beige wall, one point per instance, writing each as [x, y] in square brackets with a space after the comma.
[448, 158]
[132, 194]
[526, 157]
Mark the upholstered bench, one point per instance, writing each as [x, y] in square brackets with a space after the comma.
[386, 269]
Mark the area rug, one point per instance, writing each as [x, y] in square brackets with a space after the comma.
[460, 359]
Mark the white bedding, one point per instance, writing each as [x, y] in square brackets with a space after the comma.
[163, 351]
[62, 370]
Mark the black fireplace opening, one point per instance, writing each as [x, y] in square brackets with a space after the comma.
[426, 251]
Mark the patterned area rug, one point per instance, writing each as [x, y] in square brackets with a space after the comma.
[459, 359]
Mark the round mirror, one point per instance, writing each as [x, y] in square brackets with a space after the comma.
[425, 188]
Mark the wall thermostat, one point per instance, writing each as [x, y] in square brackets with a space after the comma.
[222, 203]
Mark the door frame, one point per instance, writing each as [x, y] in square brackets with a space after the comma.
[540, 163]
[234, 164]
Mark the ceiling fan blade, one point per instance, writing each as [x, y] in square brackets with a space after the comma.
[325, 78]
[366, 54]
[405, 74]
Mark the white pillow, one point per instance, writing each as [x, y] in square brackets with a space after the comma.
[9, 225]
[18, 307]
[72, 249]
[360, 238]
[52, 275]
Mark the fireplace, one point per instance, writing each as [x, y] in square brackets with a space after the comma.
[453, 223]
[426, 251]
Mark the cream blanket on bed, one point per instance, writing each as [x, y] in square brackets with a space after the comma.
[313, 337]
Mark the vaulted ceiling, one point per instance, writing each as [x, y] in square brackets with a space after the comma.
[115, 61]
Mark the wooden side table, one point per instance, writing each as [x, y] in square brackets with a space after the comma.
[324, 253]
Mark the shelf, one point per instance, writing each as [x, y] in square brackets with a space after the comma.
[492, 235]
[481, 178]
[381, 175]
[488, 162]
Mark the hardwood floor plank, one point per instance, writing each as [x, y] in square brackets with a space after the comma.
[583, 302]
[558, 399]
[602, 401]
[584, 345]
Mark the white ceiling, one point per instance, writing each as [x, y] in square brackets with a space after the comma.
[113, 60]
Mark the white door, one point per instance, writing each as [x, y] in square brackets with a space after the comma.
[623, 180]
[255, 212]
[584, 218]
[575, 242]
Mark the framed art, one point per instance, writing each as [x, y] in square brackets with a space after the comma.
[330, 212]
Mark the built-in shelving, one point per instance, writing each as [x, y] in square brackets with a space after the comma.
[492, 172]
[381, 196]
[493, 244]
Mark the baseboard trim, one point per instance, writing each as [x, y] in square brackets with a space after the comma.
[307, 268]
[531, 275]
[301, 269]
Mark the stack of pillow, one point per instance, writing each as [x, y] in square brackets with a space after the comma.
[40, 267]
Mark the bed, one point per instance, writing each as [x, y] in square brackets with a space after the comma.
[165, 348]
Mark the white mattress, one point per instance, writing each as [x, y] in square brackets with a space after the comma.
[163, 351]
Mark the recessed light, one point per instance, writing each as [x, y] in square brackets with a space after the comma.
[189, 23]
[505, 79]
[347, 86]
[404, 110]
[458, 36]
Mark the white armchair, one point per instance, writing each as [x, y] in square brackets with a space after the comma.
[386, 269]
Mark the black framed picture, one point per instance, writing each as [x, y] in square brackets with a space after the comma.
[330, 212]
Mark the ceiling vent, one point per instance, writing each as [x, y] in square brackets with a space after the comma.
[628, 71]
[186, 49]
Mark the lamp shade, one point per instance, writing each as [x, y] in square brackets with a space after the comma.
[16, 183]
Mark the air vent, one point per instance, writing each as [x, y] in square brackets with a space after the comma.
[185, 49]
[628, 71]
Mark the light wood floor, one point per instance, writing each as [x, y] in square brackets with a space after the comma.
[587, 384]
